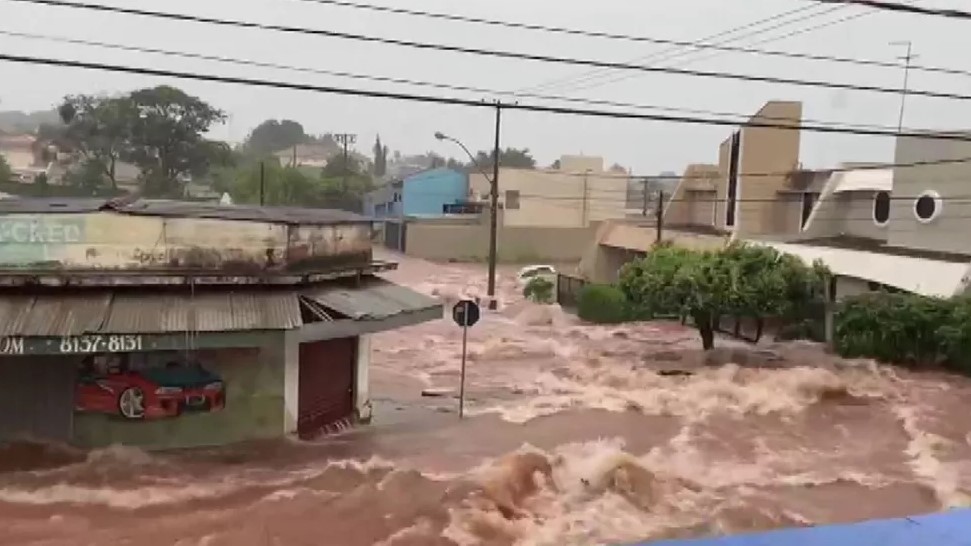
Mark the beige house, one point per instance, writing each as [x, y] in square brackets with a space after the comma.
[755, 189]
[578, 194]
[902, 228]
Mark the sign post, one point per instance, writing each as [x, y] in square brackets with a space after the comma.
[465, 314]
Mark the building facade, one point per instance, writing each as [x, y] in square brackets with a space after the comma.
[165, 325]
[578, 194]
[424, 193]
[899, 228]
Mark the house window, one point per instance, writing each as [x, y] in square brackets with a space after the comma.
[732, 204]
[809, 200]
[512, 199]
[927, 207]
[881, 208]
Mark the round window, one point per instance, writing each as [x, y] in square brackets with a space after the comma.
[928, 206]
[881, 208]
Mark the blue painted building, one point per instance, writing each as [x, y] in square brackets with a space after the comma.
[421, 194]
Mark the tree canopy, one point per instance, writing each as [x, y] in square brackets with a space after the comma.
[509, 157]
[161, 130]
[273, 135]
[380, 158]
[740, 280]
[289, 186]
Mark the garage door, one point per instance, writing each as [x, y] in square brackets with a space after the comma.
[326, 394]
[36, 398]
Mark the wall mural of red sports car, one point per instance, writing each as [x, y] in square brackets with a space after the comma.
[107, 385]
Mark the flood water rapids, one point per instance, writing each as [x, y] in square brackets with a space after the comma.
[574, 435]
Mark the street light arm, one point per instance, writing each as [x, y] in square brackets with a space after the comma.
[468, 153]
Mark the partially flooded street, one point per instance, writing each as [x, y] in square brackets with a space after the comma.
[574, 435]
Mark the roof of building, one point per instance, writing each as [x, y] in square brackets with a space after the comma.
[166, 311]
[926, 275]
[863, 180]
[946, 529]
[181, 209]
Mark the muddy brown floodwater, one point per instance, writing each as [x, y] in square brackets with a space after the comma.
[577, 435]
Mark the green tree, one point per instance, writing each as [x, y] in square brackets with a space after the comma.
[99, 128]
[89, 176]
[510, 157]
[273, 135]
[281, 186]
[741, 280]
[167, 140]
[539, 290]
[380, 158]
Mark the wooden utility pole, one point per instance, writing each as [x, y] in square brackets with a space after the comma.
[262, 183]
[644, 205]
[660, 216]
[346, 140]
[494, 213]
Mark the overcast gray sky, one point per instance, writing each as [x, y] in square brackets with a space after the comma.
[646, 146]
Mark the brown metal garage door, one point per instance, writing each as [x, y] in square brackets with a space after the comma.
[326, 394]
[37, 398]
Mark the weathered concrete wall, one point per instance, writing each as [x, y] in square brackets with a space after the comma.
[255, 408]
[111, 241]
[465, 241]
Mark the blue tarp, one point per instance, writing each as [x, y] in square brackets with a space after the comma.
[946, 529]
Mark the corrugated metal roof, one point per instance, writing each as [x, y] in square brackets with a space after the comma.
[204, 312]
[148, 207]
[286, 215]
[373, 300]
[161, 312]
[52, 315]
[944, 529]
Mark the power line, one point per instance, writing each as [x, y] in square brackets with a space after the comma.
[679, 57]
[494, 53]
[668, 53]
[431, 99]
[788, 35]
[776, 174]
[608, 35]
[905, 8]
[406, 81]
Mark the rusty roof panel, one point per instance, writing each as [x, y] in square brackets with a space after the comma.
[67, 315]
[266, 311]
[205, 312]
[14, 313]
[373, 300]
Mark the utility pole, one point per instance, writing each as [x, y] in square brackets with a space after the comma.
[494, 214]
[660, 216]
[903, 92]
[262, 183]
[586, 192]
[644, 204]
[346, 140]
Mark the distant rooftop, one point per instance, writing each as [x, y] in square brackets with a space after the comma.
[181, 209]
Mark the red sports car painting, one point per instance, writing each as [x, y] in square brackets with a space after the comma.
[155, 393]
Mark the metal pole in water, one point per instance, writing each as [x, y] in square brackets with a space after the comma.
[465, 337]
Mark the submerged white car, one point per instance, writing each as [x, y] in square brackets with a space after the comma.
[530, 272]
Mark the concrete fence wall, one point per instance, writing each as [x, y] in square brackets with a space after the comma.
[469, 241]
